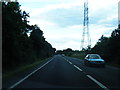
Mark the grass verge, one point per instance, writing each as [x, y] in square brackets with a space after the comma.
[79, 56]
[10, 74]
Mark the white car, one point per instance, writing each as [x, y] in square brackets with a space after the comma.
[94, 60]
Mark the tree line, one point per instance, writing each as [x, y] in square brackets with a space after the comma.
[21, 43]
[107, 47]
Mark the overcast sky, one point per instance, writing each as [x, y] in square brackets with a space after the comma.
[62, 20]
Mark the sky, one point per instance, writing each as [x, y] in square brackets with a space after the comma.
[62, 20]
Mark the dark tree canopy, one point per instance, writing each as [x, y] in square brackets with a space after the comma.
[18, 47]
[109, 48]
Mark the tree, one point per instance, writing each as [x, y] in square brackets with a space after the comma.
[109, 48]
[113, 49]
[100, 46]
[13, 28]
[17, 47]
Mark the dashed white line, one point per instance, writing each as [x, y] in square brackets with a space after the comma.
[73, 65]
[100, 84]
[29, 75]
[70, 62]
[77, 68]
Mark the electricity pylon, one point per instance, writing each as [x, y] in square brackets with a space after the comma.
[86, 41]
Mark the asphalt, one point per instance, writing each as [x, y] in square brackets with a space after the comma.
[66, 72]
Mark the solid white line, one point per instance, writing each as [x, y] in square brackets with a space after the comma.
[77, 68]
[29, 74]
[100, 84]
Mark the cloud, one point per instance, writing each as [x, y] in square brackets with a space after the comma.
[103, 12]
[69, 44]
[50, 7]
[109, 19]
[63, 17]
[62, 21]
[64, 37]
[98, 6]
[41, 23]
[61, 37]
[96, 31]
[64, 43]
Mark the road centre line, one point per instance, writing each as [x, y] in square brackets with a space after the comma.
[100, 84]
[20, 81]
[74, 65]
[70, 62]
[77, 68]
[66, 59]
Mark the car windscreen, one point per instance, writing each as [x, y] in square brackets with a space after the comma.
[94, 57]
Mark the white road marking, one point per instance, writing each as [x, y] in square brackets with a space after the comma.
[73, 65]
[29, 75]
[100, 84]
[77, 68]
[70, 62]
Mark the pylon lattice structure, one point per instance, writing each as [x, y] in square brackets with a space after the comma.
[86, 41]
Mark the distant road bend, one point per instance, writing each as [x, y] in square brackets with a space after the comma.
[66, 72]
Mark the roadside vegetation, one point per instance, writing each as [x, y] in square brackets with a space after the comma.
[109, 47]
[23, 45]
[22, 69]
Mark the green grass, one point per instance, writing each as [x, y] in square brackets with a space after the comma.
[78, 55]
[10, 74]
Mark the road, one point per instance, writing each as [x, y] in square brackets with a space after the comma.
[66, 72]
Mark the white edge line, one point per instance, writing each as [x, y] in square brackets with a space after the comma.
[77, 68]
[100, 84]
[29, 75]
